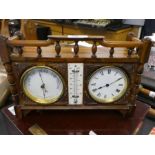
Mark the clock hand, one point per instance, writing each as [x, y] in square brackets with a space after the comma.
[102, 86]
[99, 87]
[107, 85]
[115, 81]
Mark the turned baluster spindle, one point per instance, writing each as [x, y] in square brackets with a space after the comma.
[130, 50]
[20, 50]
[111, 51]
[39, 51]
[137, 50]
[58, 48]
[10, 49]
[76, 49]
[94, 50]
[12, 81]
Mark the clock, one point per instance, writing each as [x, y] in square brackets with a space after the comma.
[74, 75]
[42, 84]
[108, 84]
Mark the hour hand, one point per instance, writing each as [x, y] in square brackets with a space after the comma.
[95, 89]
[100, 87]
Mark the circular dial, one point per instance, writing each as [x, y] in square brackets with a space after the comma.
[107, 84]
[42, 84]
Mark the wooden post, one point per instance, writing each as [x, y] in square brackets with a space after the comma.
[4, 53]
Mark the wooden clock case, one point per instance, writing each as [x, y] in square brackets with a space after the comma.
[18, 55]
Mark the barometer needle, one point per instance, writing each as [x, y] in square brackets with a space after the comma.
[43, 93]
[41, 77]
[43, 85]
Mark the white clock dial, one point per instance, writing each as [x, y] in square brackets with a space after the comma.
[75, 83]
[42, 84]
[107, 84]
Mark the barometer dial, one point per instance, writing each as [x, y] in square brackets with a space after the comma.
[42, 84]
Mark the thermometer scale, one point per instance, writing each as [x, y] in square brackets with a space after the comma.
[75, 83]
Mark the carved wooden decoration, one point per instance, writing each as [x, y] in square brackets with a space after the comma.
[57, 48]
[20, 50]
[56, 59]
[76, 49]
[94, 50]
[111, 52]
[39, 51]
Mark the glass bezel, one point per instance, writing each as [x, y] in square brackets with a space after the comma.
[34, 98]
[113, 99]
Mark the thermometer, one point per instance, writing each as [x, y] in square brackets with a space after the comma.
[75, 83]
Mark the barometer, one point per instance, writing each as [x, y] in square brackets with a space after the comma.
[42, 84]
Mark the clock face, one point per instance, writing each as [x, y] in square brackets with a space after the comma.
[42, 84]
[107, 84]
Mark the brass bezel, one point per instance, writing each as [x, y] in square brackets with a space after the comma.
[114, 98]
[35, 99]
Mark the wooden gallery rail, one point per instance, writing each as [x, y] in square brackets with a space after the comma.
[13, 42]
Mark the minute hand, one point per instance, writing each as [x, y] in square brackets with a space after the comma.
[115, 81]
[107, 85]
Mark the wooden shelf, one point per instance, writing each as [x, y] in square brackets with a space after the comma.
[77, 122]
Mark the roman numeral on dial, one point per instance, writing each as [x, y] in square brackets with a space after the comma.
[109, 71]
[117, 90]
